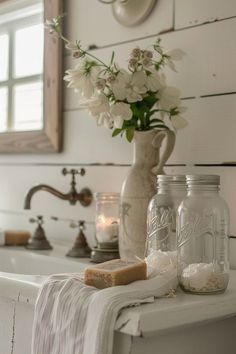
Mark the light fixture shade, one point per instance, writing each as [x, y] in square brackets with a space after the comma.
[132, 12]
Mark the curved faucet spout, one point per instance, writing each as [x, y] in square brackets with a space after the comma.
[84, 196]
[71, 197]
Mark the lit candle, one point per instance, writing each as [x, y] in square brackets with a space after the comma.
[107, 229]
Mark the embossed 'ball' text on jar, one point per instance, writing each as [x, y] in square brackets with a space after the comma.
[203, 237]
[161, 243]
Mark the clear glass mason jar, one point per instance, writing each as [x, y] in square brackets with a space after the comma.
[161, 244]
[107, 217]
[203, 237]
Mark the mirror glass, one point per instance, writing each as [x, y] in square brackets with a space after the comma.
[21, 65]
[30, 77]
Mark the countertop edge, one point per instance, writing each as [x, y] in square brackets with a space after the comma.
[180, 311]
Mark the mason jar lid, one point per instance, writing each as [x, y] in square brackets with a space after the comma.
[107, 196]
[203, 179]
[171, 179]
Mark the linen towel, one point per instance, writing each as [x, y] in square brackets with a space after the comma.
[73, 318]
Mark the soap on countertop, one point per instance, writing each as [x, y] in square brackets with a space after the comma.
[16, 237]
[115, 272]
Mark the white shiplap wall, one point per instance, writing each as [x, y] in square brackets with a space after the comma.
[205, 30]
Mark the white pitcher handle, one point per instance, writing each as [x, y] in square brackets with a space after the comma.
[170, 143]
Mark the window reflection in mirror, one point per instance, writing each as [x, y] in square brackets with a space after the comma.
[21, 65]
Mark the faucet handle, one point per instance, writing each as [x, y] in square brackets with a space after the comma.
[38, 220]
[73, 172]
[85, 195]
[38, 240]
[80, 224]
[80, 248]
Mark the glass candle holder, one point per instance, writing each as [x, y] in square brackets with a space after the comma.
[107, 217]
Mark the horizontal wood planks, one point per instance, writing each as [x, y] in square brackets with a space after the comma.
[196, 12]
[209, 137]
[204, 70]
[93, 23]
[98, 178]
[208, 69]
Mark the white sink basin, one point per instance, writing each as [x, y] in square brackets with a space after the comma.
[18, 260]
[23, 271]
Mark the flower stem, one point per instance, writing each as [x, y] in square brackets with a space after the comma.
[100, 61]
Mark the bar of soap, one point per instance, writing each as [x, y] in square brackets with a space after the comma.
[16, 237]
[115, 272]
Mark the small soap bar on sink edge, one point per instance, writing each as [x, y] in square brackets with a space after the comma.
[16, 237]
[115, 272]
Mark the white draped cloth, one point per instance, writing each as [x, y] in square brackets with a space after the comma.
[73, 318]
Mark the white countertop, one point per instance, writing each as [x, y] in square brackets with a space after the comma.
[183, 310]
[147, 320]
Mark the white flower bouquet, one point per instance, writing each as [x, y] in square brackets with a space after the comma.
[125, 100]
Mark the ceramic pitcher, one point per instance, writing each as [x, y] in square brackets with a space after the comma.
[139, 187]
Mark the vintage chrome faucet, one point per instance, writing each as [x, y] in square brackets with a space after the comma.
[84, 196]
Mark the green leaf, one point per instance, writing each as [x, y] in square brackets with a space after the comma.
[150, 100]
[135, 109]
[116, 132]
[162, 126]
[156, 120]
[130, 134]
[174, 111]
[112, 58]
[131, 123]
[155, 111]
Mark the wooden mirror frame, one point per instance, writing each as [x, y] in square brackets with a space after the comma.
[49, 139]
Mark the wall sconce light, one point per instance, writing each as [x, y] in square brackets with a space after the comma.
[130, 12]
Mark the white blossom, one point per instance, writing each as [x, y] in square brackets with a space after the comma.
[155, 81]
[148, 54]
[51, 25]
[105, 120]
[175, 55]
[99, 107]
[129, 86]
[96, 105]
[100, 84]
[120, 111]
[71, 46]
[111, 79]
[136, 52]
[132, 63]
[147, 62]
[169, 97]
[75, 49]
[111, 91]
[82, 79]
[178, 121]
